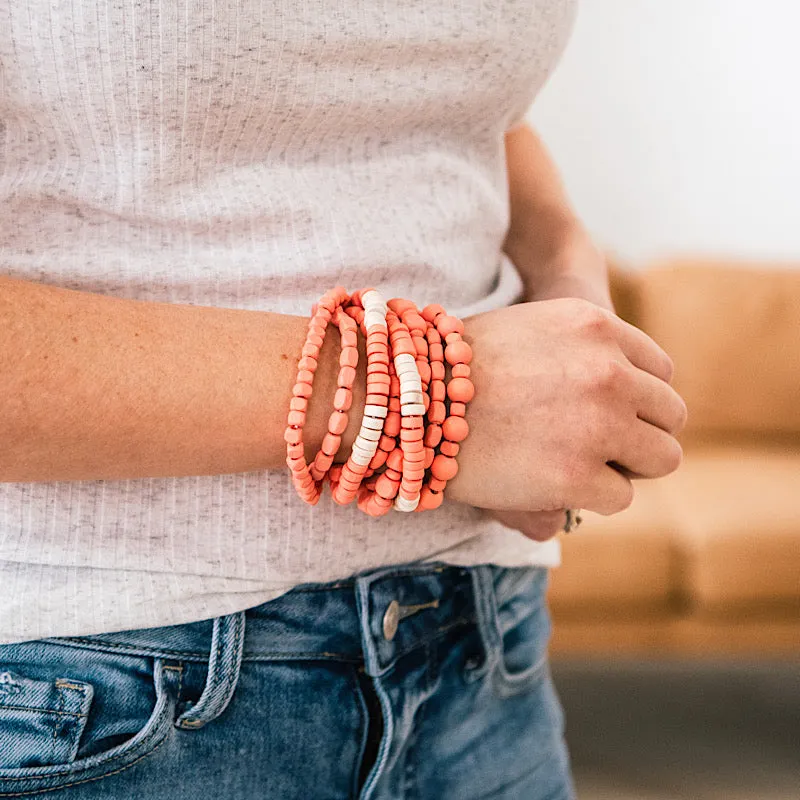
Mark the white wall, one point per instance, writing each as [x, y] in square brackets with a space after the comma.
[676, 125]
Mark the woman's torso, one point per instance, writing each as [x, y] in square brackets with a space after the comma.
[250, 156]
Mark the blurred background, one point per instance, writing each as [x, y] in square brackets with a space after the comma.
[676, 644]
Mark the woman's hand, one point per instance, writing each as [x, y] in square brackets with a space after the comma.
[563, 390]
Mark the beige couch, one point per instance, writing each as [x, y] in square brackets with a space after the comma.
[707, 560]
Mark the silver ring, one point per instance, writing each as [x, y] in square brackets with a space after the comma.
[574, 519]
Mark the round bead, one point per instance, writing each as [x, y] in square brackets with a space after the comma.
[458, 353]
[449, 324]
[455, 429]
[461, 390]
[428, 500]
[431, 311]
[444, 467]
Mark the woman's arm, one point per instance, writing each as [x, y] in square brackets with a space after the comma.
[99, 387]
[546, 241]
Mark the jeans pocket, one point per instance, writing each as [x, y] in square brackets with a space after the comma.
[523, 623]
[70, 715]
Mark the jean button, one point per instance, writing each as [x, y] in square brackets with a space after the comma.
[390, 620]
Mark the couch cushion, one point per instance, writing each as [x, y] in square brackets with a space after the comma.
[734, 335]
[739, 532]
[623, 561]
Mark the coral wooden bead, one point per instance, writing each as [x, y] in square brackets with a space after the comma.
[295, 450]
[395, 460]
[460, 371]
[449, 449]
[347, 376]
[302, 390]
[424, 369]
[458, 353]
[436, 352]
[430, 454]
[297, 417]
[431, 311]
[444, 467]
[349, 339]
[449, 324]
[428, 500]
[461, 390]
[433, 435]
[458, 409]
[391, 426]
[456, 429]
[307, 363]
[436, 484]
[437, 371]
[337, 422]
[292, 435]
[305, 376]
[349, 357]
[331, 443]
[437, 412]
[379, 459]
[298, 403]
[343, 399]
[438, 391]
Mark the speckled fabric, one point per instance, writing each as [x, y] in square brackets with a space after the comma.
[250, 155]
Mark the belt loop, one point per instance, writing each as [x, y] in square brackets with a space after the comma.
[486, 607]
[224, 663]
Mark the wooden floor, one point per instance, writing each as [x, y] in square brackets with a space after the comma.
[655, 731]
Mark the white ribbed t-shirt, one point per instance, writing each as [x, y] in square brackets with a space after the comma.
[250, 155]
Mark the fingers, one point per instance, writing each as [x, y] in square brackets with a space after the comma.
[658, 403]
[647, 451]
[537, 525]
[641, 350]
[610, 492]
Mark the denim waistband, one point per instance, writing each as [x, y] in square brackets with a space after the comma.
[370, 619]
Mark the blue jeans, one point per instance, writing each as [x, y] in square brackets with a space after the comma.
[412, 681]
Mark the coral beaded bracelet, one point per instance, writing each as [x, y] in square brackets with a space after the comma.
[413, 419]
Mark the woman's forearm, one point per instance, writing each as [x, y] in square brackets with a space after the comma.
[546, 240]
[100, 387]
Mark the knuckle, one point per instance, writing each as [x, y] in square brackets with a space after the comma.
[605, 377]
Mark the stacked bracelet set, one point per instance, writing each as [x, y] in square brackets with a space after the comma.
[407, 429]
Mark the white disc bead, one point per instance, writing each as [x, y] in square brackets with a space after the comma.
[375, 411]
[412, 409]
[403, 504]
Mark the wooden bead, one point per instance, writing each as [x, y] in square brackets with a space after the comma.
[461, 390]
[337, 422]
[295, 450]
[391, 426]
[458, 353]
[460, 371]
[298, 403]
[297, 418]
[349, 339]
[343, 399]
[433, 435]
[432, 311]
[458, 409]
[436, 352]
[444, 467]
[456, 429]
[438, 391]
[449, 324]
[331, 443]
[430, 453]
[436, 484]
[437, 412]
[437, 371]
[302, 390]
[292, 435]
[449, 448]
[347, 376]
[348, 357]
[307, 363]
[429, 500]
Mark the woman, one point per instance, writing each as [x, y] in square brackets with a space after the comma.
[180, 184]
